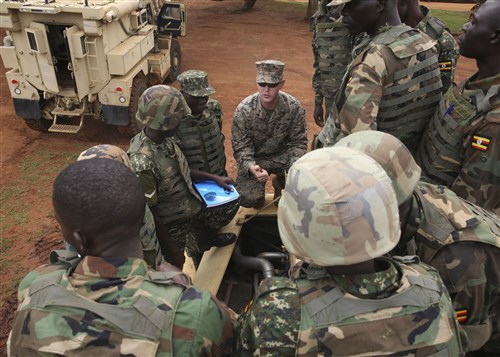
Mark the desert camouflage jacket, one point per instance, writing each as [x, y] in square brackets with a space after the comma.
[318, 314]
[462, 241]
[280, 135]
[185, 321]
[393, 85]
[446, 45]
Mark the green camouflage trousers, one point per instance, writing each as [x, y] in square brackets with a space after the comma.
[189, 234]
[251, 190]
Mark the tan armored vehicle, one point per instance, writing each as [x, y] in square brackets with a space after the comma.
[71, 59]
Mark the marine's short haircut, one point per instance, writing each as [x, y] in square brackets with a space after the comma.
[96, 195]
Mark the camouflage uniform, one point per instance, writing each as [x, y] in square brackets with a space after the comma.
[332, 46]
[461, 147]
[459, 239]
[399, 309]
[446, 46]
[115, 306]
[150, 244]
[273, 140]
[200, 137]
[165, 176]
[393, 85]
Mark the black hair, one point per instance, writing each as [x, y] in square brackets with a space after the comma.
[97, 195]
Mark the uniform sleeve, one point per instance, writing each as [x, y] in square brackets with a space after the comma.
[203, 326]
[270, 326]
[479, 178]
[150, 187]
[448, 56]
[363, 94]
[297, 145]
[242, 142]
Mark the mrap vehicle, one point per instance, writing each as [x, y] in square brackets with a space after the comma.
[88, 58]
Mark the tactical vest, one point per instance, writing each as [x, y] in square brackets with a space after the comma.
[334, 48]
[441, 149]
[177, 199]
[101, 329]
[438, 224]
[202, 143]
[404, 111]
[344, 325]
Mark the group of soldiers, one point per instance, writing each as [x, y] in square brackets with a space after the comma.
[391, 220]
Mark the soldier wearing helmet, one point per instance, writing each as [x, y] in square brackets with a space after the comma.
[167, 179]
[156, 243]
[339, 215]
[458, 238]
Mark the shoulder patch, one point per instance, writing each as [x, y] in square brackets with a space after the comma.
[445, 66]
[480, 142]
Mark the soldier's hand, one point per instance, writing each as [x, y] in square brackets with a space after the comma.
[224, 181]
[318, 114]
[260, 174]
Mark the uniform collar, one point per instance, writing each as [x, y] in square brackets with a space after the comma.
[111, 267]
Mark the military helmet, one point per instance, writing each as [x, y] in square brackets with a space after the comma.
[338, 208]
[392, 155]
[161, 107]
[105, 151]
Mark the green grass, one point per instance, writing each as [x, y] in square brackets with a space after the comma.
[454, 19]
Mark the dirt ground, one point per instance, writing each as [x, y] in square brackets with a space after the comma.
[222, 42]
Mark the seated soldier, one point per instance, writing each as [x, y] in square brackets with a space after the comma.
[339, 215]
[458, 238]
[167, 179]
[107, 303]
[269, 133]
[156, 244]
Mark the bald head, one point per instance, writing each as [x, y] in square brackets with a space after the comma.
[481, 35]
[100, 200]
[369, 15]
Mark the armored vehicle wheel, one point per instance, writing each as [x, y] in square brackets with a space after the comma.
[133, 127]
[38, 124]
[175, 61]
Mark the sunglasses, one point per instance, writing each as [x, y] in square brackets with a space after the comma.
[270, 85]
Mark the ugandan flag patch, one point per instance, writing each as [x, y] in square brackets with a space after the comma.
[480, 143]
[445, 66]
[461, 315]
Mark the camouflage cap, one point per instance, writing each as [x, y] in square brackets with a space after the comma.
[392, 155]
[195, 83]
[161, 107]
[338, 2]
[338, 208]
[105, 151]
[269, 71]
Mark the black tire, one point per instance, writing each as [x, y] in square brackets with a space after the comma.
[134, 127]
[41, 125]
[175, 62]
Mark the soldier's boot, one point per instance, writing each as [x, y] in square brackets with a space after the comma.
[278, 182]
[260, 202]
[217, 240]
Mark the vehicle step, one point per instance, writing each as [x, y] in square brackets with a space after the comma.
[68, 113]
[64, 128]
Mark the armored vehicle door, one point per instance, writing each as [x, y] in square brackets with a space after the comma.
[38, 43]
[172, 19]
[78, 63]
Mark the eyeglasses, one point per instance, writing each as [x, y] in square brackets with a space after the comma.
[270, 85]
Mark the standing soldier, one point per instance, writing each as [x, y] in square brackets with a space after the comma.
[461, 147]
[339, 215]
[332, 46]
[458, 238]
[269, 133]
[393, 84]
[167, 180]
[419, 17]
